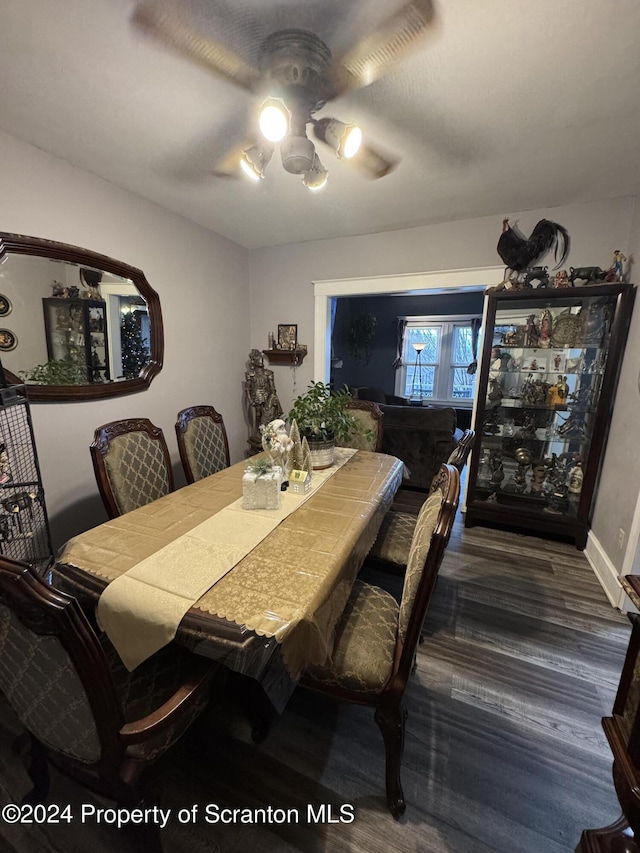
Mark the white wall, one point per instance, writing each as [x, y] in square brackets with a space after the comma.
[201, 279]
[283, 276]
[620, 482]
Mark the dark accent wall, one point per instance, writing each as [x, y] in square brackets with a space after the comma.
[379, 372]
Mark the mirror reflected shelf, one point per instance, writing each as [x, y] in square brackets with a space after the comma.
[81, 325]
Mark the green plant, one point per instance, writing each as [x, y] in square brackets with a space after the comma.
[322, 412]
[56, 372]
[360, 337]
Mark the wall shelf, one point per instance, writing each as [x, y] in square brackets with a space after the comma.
[285, 356]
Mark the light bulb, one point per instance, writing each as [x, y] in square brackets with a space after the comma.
[352, 141]
[274, 120]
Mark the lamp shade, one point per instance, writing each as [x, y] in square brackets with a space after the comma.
[254, 160]
[316, 178]
[345, 139]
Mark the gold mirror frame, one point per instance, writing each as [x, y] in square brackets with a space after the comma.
[19, 244]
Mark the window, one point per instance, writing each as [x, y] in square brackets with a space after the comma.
[436, 354]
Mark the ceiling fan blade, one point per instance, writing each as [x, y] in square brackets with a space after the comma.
[168, 22]
[372, 163]
[372, 57]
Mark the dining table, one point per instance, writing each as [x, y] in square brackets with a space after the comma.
[278, 590]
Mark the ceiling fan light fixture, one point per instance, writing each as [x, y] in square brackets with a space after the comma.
[274, 119]
[316, 178]
[254, 161]
[345, 139]
[298, 154]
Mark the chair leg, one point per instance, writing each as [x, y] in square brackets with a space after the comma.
[616, 838]
[38, 772]
[391, 722]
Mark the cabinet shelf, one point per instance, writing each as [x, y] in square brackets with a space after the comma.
[533, 477]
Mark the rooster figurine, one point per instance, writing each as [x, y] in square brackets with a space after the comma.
[519, 254]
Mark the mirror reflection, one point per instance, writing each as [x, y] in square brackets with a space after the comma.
[72, 328]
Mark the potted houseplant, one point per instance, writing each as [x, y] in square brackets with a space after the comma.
[322, 417]
[360, 337]
[56, 372]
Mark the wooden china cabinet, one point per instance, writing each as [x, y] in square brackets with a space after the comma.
[550, 368]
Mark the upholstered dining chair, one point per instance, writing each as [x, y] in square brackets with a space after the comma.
[202, 442]
[369, 418]
[376, 639]
[83, 711]
[131, 463]
[391, 549]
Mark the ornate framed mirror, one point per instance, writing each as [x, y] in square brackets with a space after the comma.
[74, 324]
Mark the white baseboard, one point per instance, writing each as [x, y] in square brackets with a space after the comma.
[606, 573]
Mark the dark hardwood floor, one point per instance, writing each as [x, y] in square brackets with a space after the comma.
[504, 749]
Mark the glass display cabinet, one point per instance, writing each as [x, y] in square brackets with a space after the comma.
[550, 367]
[76, 332]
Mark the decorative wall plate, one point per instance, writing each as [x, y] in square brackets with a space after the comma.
[8, 340]
[565, 331]
[5, 305]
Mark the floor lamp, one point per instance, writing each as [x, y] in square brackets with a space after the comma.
[418, 347]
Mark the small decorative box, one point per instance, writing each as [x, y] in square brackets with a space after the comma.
[261, 489]
[299, 481]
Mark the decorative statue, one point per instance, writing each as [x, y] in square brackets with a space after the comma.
[539, 476]
[262, 397]
[278, 446]
[531, 335]
[495, 393]
[558, 392]
[544, 331]
[616, 270]
[497, 469]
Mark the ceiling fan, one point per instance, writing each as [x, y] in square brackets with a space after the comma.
[296, 76]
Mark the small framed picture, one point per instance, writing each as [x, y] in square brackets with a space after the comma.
[287, 336]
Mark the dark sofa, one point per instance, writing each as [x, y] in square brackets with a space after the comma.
[422, 436]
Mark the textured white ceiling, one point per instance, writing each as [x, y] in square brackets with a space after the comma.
[506, 106]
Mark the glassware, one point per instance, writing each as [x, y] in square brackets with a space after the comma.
[484, 469]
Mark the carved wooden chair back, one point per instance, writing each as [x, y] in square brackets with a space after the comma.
[460, 453]
[376, 639]
[131, 463]
[80, 706]
[369, 417]
[202, 442]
